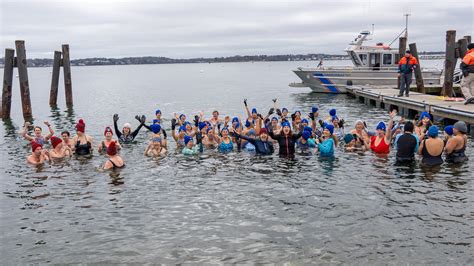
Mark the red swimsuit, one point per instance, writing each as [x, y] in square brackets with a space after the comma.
[383, 147]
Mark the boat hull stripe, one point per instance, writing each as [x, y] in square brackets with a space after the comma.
[326, 82]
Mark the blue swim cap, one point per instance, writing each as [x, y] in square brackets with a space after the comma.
[314, 109]
[286, 124]
[225, 128]
[155, 128]
[254, 110]
[247, 123]
[182, 128]
[275, 118]
[332, 112]
[284, 109]
[308, 129]
[330, 128]
[186, 123]
[181, 115]
[158, 111]
[425, 114]
[187, 139]
[306, 135]
[348, 138]
[201, 125]
[433, 131]
[156, 121]
[252, 132]
[304, 121]
[449, 130]
[381, 125]
[235, 119]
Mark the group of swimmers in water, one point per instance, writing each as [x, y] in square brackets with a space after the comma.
[258, 133]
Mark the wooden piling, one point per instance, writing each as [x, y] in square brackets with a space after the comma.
[402, 47]
[449, 63]
[7, 83]
[67, 75]
[53, 95]
[462, 47]
[418, 76]
[468, 38]
[23, 78]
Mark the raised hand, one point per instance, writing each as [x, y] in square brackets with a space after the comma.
[47, 123]
[271, 111]
[173, 123]
[274, 100]
[245, 102]
[116, 117]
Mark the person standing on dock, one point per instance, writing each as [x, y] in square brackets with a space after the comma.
[467, 67]
[406, 65]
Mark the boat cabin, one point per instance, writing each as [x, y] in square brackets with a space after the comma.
[372, 57]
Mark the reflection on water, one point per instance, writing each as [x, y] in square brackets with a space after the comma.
[232, 208]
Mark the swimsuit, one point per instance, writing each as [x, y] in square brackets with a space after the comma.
[40, 140]
[428, 159]
[114, 166]
[225, 147]
[383, 147]
[457, 156]
[326, 148]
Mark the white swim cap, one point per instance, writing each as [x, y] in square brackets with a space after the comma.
[127, 125]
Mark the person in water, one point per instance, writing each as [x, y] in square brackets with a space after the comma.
[83, 143]
[190, 148]
[380, 143]
[431, 149]
[355, 143]
[114, 161]
[215, 120]
[59, 150]
[360, 130]
[456, 146]
[263, 144]
[225, 141]
[209, 140]
[38, 156]
[126, 135]
[448, 133]
[306, 143]
[423, 125]
[179, 138]
[108, 134]
[327, 142]
[154, 149]
[38, 133]
[286, 139]
[66, 137]
[407, 144]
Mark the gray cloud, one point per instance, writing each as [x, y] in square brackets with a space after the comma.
[183, 29]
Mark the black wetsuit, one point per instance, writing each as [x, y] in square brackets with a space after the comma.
[406, 145]
[428, 159]
[286, 143]
[261, 147]
[126, 138]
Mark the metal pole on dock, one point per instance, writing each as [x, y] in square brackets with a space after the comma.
[67, 75]
[449, 63]
[23, 77]
[53, 95]
[420, 86]
[402, 47]
[7, 83]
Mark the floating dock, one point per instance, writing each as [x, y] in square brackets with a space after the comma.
[386, 97]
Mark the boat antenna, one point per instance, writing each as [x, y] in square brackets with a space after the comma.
[406, 24]
[373, 29]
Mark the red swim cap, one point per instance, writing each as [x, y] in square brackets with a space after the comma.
[35, 145]
[80, 126]
[55, 141]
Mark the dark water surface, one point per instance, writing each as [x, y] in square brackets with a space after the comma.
[233, 208]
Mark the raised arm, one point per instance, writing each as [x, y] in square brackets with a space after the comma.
[249, 115]
[24, 132]
[117, 131]
[388, 135]
[173, 129]
[51, 131]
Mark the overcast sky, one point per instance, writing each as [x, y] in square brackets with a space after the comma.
[202, 28]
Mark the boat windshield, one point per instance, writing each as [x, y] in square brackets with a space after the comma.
[354, 58]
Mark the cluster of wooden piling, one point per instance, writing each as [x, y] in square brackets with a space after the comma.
[21, 63]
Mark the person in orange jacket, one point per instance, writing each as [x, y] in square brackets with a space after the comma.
[467, 67]
[406, 65]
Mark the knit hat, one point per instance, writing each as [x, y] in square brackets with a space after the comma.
[461, 126]
[80, 126]
[348, 138]
[470, 46]
[275, 118]
[433, 131]
[314, 109]
[381, 126]
[181, 115]
[55, 141]
[107, 130]
[158, 111]
[284, 109]
[286, 124]
[201, 125]
[127, 125]
[35, 145]
[112, 149]
[306, 135]
[425, 114]
[263, 131]
[304, 121]
[332, 112]
[308, 129]
[407, 52]
[155, 128]
[235, 119]
[254, 110]
[252, 132]
[449, 130]
[187, 139]
[182, 128]
[330, 128]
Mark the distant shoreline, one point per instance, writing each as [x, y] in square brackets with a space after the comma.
[152, 60]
